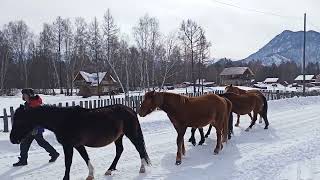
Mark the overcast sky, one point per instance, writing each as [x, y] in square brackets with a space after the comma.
[234, 32]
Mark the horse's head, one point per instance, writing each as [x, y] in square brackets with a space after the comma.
[149, 104]
[21, 125]
[231, 88]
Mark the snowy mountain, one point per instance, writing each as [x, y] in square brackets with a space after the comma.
[287, 46]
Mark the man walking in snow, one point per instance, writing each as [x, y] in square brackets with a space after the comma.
[31, 102]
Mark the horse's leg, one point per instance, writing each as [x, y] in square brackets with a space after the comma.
[250, 116]
[119, 150]
[219, 143]
[265, 118]
[83, 152]
[68, 153]
[202, 136]
[260, 119]
[183, 149]
[230, 121]
[208, 132]
[253, 122]
[238, 120]
[192, 139]
[181, 132]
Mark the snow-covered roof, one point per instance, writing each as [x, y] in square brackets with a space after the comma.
[300, 77]
[271, 80]
[235, 71]
[93, 77]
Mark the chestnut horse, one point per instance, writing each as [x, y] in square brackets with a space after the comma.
[239, 91]
[76, 127]
[242, 104]
[194, 112]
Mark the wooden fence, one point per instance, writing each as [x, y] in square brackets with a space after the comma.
[135, 101]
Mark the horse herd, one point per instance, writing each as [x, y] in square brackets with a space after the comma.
[77, 127]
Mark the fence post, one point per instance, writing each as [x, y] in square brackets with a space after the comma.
[137, 104]
[60, 104]
[108, 102]
[12, 113]
[73, 103]
[81, 103]
[90, 104]
[5, 121]
[67, 104]
[94, 104]
[104, 102]
[86, 104]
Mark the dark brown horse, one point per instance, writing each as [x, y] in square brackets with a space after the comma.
[194, 112]
[239, 91]
[243, 104]
[76, 127]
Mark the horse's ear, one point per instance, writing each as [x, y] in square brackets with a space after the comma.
[230, 85]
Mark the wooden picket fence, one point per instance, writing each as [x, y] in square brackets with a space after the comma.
[135, 101]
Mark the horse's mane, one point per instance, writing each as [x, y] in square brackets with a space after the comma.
[179, 98]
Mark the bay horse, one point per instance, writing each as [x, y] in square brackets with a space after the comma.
[242, 104]
[194, 112]
[77, 127]
[239, 91]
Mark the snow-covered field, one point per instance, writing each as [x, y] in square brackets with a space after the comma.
[289, 149]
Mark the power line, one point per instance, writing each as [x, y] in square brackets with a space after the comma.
[256, 11]
[266, 13]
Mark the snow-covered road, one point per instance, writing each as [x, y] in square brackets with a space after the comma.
[289, 149]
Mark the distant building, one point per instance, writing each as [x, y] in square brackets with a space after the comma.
[308, 79]
[271, 80]
[237, 76]
[88, 82]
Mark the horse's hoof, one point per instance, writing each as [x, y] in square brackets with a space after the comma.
[265, 127]
[248, 129]
[201, 142]
[236, 125]
[216, 151]
[178, 163]
[108, 173]
[142, 170]
[206, 136]
[90, 178]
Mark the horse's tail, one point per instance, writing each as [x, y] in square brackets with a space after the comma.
[141, 144]
[226, 126]
[132, 130]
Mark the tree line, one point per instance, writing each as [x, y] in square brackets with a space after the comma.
[52, 58]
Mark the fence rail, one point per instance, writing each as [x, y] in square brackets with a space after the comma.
[135, 101]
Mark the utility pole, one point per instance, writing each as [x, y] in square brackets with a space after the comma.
[304, 56]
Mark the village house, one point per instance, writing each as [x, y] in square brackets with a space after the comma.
[88, 84]
[237, 76]
[308, 79]
[271, 80]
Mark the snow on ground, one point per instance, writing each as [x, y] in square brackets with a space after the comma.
[289, 149]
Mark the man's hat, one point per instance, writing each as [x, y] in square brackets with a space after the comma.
[28, 91]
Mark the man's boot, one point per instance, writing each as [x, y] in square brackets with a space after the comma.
[54, 157]
[21, 162]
